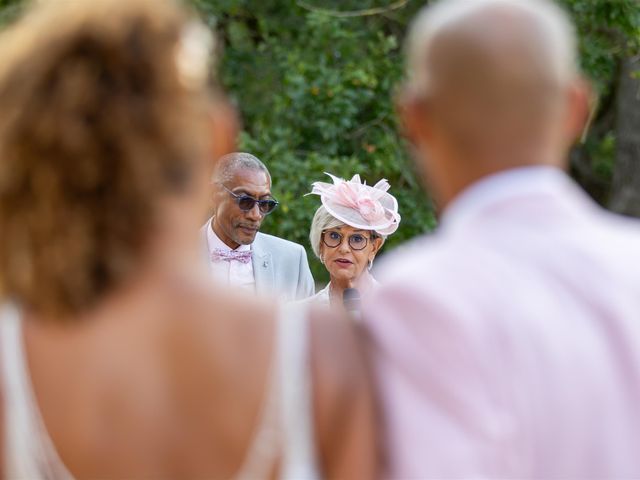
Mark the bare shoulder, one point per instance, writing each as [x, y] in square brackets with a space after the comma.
[223, 334]
[208, 309]
[343, 397]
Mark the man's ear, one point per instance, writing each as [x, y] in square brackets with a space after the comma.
[582, 108]
[214, 194]
[410, 108]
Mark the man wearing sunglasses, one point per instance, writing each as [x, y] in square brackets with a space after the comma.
[238, 254]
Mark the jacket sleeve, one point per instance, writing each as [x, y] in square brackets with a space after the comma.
[306, 284]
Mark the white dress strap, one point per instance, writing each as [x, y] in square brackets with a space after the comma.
[29, 452]
[285, 431]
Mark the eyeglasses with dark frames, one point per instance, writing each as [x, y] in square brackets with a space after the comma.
[247, 202]
[357, 241]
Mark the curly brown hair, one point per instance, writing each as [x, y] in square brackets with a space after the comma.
[96, 126]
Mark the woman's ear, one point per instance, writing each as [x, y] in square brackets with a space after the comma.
[376, 243]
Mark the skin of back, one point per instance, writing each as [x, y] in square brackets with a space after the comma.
[171, 383]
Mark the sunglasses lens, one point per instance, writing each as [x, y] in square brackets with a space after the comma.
[246, 203]
[267, 206]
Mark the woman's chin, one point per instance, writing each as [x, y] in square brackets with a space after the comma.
[344, 276]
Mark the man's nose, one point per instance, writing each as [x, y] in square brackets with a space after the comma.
[254, 214]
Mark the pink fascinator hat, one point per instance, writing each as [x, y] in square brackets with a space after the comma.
[357, 204]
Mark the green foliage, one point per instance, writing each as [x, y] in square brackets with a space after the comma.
[315, 92]
[9, 10]
[608, 30]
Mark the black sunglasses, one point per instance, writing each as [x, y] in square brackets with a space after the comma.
[246, 202]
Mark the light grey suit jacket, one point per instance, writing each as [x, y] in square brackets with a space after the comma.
[280, 267]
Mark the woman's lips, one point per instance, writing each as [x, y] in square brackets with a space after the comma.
[343, 262]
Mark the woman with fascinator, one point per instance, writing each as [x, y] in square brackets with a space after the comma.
[347, 232]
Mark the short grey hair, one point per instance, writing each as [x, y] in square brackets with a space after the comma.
[323, 220]
[558, 41]
[229, 164]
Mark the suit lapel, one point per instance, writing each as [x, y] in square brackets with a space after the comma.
[263, 271]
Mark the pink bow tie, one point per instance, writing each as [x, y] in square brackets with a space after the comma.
[219, 255]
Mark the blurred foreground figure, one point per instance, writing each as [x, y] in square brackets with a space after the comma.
[117, 360]
[507, 345]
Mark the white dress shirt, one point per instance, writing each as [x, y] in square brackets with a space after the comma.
[507, 344]
[232, 273]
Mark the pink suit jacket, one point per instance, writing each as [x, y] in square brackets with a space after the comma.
[507, 344]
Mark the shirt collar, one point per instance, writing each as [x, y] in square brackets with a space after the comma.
[500, 187]
[213, 241]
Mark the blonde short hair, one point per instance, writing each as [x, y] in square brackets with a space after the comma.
[322, 220]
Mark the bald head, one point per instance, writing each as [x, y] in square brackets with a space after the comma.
[536, 35]
[491, 85]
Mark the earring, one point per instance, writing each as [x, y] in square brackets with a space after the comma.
[370, 266]
[322, 260]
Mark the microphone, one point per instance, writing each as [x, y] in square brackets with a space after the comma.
[352, 302]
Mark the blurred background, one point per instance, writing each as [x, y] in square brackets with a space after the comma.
[314, 82]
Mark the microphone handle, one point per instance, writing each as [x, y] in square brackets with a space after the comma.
[352, 303]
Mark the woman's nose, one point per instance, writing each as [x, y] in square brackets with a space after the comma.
[344, 246]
